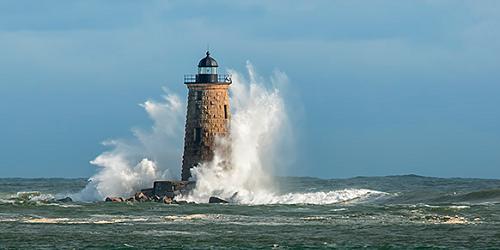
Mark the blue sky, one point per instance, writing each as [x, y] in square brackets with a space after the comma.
[376, 87]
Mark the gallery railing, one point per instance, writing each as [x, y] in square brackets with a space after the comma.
[226, 78]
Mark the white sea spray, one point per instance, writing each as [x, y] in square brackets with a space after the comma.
[151, 155]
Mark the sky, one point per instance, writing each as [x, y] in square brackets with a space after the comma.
[375, 87]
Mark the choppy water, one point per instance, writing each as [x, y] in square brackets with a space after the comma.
[382, 212]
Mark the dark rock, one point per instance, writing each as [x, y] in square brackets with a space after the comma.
[148, 192]
[169, 194]
[181, 202]
[185, 185]
[141, 197]
[67, 199]
[114, 199]
[156, 198]
[161, 188]
[214, 199]
[167, 200]
[131, 199]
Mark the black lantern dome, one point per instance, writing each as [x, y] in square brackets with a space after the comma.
[208, 61]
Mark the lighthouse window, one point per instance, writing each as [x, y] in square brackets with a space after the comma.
[197, 135]
[225, 111]
[207, 70]
[199, 95]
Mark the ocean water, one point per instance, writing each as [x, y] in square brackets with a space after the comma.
[375, 212]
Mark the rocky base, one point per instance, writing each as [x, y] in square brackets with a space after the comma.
[164, 192]
[165, 199]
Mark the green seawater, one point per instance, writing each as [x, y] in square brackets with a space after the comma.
[413, 212]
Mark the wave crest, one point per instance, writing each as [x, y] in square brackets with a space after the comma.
[314, 198]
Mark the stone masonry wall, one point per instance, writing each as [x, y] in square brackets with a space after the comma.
[208, 117]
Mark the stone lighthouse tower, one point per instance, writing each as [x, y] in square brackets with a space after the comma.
[208, 113]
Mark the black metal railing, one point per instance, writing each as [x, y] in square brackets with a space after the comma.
[226, 78]
[189, 78]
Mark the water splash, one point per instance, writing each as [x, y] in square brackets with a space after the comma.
[134, 164]
[317, 198]
[258, 125]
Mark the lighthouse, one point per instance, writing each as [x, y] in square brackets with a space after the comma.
[208, 114]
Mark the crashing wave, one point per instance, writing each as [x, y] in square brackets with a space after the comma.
[313, 198]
